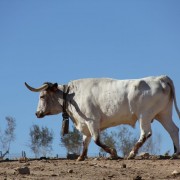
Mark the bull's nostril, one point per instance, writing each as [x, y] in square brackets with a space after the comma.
[36, 113]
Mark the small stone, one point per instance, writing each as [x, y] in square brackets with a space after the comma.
[123, 166]
[111, 176]
[93, 164]
[70, 171]
[23, 159]
[137, 178]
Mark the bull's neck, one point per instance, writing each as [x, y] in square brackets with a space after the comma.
[63, 96]
[69, 103]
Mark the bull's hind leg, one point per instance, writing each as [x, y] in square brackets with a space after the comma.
[146, 132]
[86, 141]
[172, 129]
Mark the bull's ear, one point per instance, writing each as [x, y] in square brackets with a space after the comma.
[54, 87]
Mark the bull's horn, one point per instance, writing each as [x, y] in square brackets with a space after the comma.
[43, 87]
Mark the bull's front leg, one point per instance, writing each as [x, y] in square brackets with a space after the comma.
[95, 133]
[109, 150]
[86, 141]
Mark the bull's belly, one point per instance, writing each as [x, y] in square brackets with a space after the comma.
[117, 120]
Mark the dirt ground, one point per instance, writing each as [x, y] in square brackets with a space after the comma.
[91, 169]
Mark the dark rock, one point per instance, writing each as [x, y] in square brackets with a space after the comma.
[72, 156]
[123, 166]
[70, 171]
[137, 178]
[111, 176]
[23, 170]
[163, 157]
[43, 158]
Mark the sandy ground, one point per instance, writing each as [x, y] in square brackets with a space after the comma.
[91, 169]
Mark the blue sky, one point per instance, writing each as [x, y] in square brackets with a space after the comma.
[60, 41]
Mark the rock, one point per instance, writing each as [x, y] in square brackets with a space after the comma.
[153, 157]
[93, 164]
[123, 166]
[144, 155]
[73, 156]
[111, 176]
[23, 159]
[70, 171]
[137, 178]
[138, 158]
[27, 164]
[163, 157]
[43, 158]
[23, 170]
[175, 156]
[167, 157]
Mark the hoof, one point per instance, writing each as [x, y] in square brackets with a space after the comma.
[80, 158]
[114, 154]
[175, 156]
[113, 158]
[131, 155]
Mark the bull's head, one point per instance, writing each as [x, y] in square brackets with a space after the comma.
[50, 99]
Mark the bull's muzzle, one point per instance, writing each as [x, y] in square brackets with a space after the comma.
[39, 114]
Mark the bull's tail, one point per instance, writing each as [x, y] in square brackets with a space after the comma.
[171, 84]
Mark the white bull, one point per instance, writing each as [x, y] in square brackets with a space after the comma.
[97, 104]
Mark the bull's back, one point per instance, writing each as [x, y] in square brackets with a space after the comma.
[119, 101]
[108, 96]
